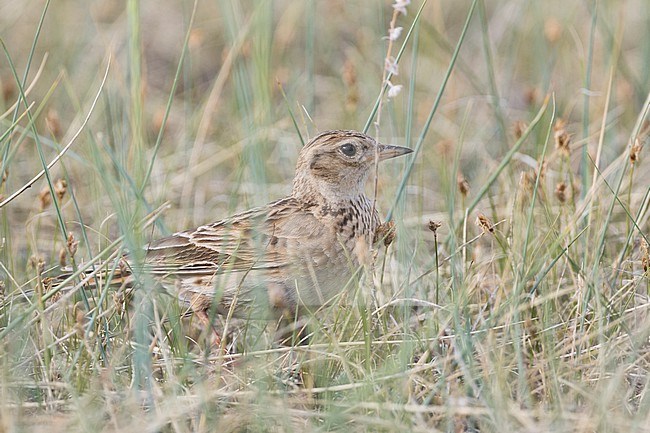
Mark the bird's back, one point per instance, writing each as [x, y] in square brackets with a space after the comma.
[291, 253]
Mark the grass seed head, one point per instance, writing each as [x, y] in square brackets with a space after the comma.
[463, 185]
[560, 191]
[386, 231]
[44, 198]
[63, 254]
[635, 151]
[37, 263]
[434, 226]
[484, 223]
[518, 128]
[562, 137]
[72, 245]
[60, 188]
[645, 255]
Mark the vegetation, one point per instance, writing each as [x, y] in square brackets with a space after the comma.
[514, 298]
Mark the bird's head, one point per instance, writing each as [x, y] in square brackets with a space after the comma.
[336, 164]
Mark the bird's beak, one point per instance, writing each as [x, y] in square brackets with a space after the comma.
[388, 151]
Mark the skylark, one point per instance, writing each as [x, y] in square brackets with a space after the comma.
[297, 252]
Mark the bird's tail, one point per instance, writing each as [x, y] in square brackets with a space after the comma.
[115, 273]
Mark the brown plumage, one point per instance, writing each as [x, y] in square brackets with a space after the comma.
[299, 251]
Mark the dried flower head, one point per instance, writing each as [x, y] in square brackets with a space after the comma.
[393, 89]
[560, 191]
[645, 255]
[72, 245]
[63, 254]
[400, 6]
[463, 185]
[518, 128]
[394, 34]
[60, 188]
[37, 263]
[484, 223]
[80, 317]
[386, 231]
[635, 151]
[44, 198]
[531, 95]
[562, 137]
[434, 225]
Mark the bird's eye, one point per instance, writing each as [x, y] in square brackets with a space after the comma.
[348, 149]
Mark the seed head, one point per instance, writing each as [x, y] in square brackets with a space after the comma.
[72, 245]
[463, 185]
[434, 225]
[560, 191]
[635, 151]
[484, 223]
[63, 254]
[44, 198]
[37, 263]
[562, 137]
[518, 128]
[60, 188]
[386, 231]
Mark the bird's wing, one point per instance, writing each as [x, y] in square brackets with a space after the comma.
[247, 241]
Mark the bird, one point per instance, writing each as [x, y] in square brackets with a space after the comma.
[299, 252]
